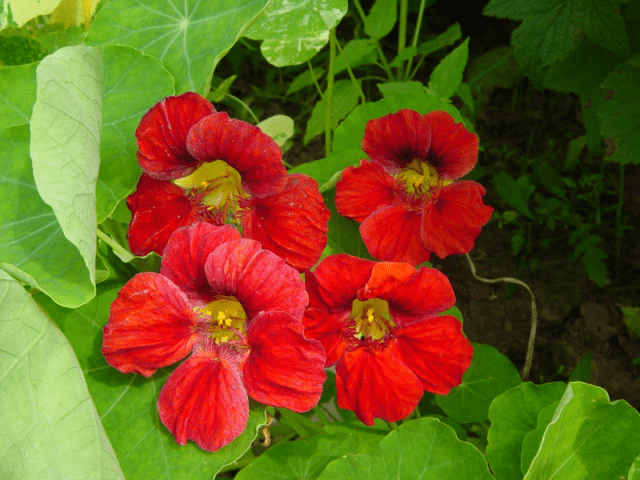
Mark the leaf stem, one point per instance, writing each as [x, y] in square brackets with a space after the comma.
[534, 313]
[328, 96]
[363, 99]
[402, 35]
[315, 80]
[416, 35]
[124, 255]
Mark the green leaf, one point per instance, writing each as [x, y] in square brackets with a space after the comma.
[127, 404]
[588, 437]
[344, 99]
[305, 79]
[25, 10]
[65, 142]
[308, 458]
[454, 312]
[295, 30]
[72, 35]
[17, 94]
[489, 375]
[422, 449]
[322, 171]
[48, 421]
[356, 53]
[513, 415]
[447, 75]
[132, 84]
[31, 239]
[619, 114]
[278, 127]
[189, 37]
[634, 472]
[344, 234]
[448, 37]
[594, 265]
[514, 192]
[631, 318]
[381, 19]
[532, 440]
[20, 50]
[582, 372]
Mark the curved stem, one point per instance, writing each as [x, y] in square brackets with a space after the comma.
[534, 313]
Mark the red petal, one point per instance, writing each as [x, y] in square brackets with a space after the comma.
[454, 150]
[204, 400]
[253, 153]
[375, 384]
[364, 189]
[284, 369]
[158, 208]
[334, 284]
[393, 234]
[436, 351]
[293, 223]
[396, 139]
[259, 279]
[186, 253]
[162, 136]
[327, 328]
[151, 325]
[453, 223]
[412, 294]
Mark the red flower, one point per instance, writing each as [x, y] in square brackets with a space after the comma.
[236, 309]
[379, 324]
[405, 196]
[200, 165]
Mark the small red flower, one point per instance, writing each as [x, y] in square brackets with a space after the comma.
[200, 165]
[405, 195]
[236, 309]
[379, 325]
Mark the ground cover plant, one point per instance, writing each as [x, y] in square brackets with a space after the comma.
[240, 227]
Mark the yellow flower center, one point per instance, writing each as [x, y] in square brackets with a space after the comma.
[223, 319]
[419, 177]
[372, 319]
[221, 184]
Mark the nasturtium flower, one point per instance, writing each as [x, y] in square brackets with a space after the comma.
[406, 196]
[380, 325]
[235, 310]
[201, 165]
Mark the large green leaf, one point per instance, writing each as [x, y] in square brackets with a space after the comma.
[32, 245]
[447, 75]
[17, 94]
[65, 142]
[48, 423]
[132, 84]
[422, 449]
[588, 437]
[127, 404]
[513, 415]
[295, 30]
[619, 113]
[306, 459]
[189, 37]
[381, 18]
[489, 375]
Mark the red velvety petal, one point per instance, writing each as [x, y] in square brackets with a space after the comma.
[374, 384]
[364, 189]
[329, 329]
[204, 400]
[334, 284]
[412, 294]
[162, 136]
[283, 369]
[393, 233]
[158, 208]
[151, 325]
[452, 224]
[292, 223]
[253, 153]
[454, 149]
[259, 279]
[186, 253]
[436, 351]
[396, 139]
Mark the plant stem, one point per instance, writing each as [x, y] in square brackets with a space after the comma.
[416, 35]
[328, 97]
[402, 35]
[363, 99]
[315, 80]
[119, 249]
[245, 106]
[534, 313]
